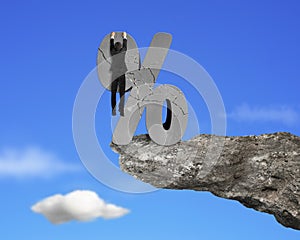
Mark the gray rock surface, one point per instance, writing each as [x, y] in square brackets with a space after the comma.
[261, 172]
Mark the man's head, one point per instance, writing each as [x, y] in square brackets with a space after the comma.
[118, 46]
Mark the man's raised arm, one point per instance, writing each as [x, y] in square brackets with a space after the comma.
[124, 35]
[112, 40]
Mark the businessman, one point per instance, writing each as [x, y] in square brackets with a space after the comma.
[118, 69]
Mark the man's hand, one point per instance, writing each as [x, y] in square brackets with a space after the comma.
[124, 34]
[112, 34]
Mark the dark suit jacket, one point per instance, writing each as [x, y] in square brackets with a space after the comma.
[118, 65]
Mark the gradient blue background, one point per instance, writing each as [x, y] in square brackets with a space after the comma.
[250, 48]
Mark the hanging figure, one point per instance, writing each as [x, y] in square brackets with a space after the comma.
[118, 69]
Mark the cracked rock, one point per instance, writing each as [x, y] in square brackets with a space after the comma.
[261, 172]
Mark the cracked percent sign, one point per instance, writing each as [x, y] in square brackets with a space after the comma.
[140, 80]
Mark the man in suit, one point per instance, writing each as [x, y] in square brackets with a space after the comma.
[118, 69]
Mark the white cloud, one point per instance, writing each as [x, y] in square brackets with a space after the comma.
[280, 114]
[32, 162]
[80, 205]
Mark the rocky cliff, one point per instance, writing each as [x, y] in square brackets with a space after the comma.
[261, 172]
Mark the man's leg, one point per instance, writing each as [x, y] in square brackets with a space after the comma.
[114, 86]
[122, 94]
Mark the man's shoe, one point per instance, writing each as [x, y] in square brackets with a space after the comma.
[114, 112]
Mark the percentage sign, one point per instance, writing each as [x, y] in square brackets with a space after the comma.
[144, 95]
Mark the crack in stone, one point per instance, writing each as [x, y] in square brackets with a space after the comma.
[102, 53]
[181, 109]
[152, 74]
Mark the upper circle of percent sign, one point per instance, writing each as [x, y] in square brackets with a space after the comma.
[83, 121]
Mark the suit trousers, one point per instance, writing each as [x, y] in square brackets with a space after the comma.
[120, 81]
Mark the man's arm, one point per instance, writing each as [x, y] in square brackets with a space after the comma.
[124, 35]
[112, 41]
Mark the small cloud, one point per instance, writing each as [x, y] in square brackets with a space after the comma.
[32, 162]
[80, 205]
[281, 114]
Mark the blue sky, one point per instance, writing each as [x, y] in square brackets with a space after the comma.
[250, 48]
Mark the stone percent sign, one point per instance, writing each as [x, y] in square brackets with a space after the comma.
[140, 80]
